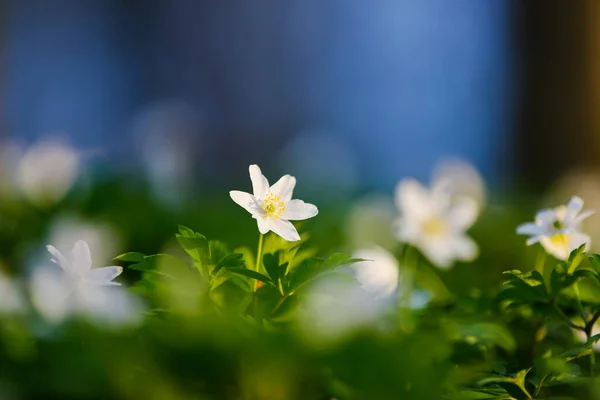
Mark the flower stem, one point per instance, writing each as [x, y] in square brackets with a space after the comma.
[409, 264]
[261, 240]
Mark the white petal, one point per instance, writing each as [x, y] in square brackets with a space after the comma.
[441, 192]
[59, 259]
[546, 216]
[245, 200]
[284, 187]
[533, 240]
[574, 206]
[439, 251]
[297, 210]
[263, 224]
[411, 198]
[465, 248]
[464, 213]
[103, 276]
[583, 216]
[285, 229]
[82, 259]
[577, 239]
[49, 292]
[557, 248]
[260, 184]
[529, 228]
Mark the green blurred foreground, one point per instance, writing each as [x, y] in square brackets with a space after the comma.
[300, 327]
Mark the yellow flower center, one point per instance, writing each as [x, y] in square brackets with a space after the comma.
[434, 226]
[273, 206]
[560, 240]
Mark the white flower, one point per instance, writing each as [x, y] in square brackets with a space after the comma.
[78, 289]
[47, 171]
[558, 229]
[273, 207]
[79, 268]
[377, 275]
[335, 308]
[431, 221]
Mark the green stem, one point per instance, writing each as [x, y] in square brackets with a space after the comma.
[258, 258]
[579, 304]
[409, 264]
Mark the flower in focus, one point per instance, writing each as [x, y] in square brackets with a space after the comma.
[558, 229]
[434, 222]
[78, 289]
[377, 275]
[272, 206]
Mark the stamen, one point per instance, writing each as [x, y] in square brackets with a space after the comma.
[273, 206]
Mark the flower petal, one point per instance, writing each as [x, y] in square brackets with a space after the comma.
[465, 248]
[411, 198]
[529, 228]
[246, 200]
[285, 229]
[577, 239]
[82, 259]
[546, 216]
[583, 216]
[464, 213]
[574, 206]
[260, 184]
[284, 187]
[103, 276]
[533, 240]
[297, 210]
[59, 259]
[263, 224]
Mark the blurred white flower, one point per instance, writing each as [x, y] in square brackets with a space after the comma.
[11, 299]
[379, 274]
[100, 236]
[47, 171]
[464, 178]
[273, 207]
[78, 289]
[435, 223]
[334, 308]
[558, 229]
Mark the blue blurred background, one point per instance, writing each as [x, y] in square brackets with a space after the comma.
[351, 92]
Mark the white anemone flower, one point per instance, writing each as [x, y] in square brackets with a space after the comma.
[78, 289]
[272, 206]
[434, 222]
[558, 229]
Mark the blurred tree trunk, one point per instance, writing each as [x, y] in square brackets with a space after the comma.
[556, 127]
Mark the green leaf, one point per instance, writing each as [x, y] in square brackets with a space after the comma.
[233, 260]
[271, 264]
[217, 250]
[131, 257]
[195, 244]
[252, 274]
[490, 333]
[313, 267]
[575, 258]
[595, 261]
